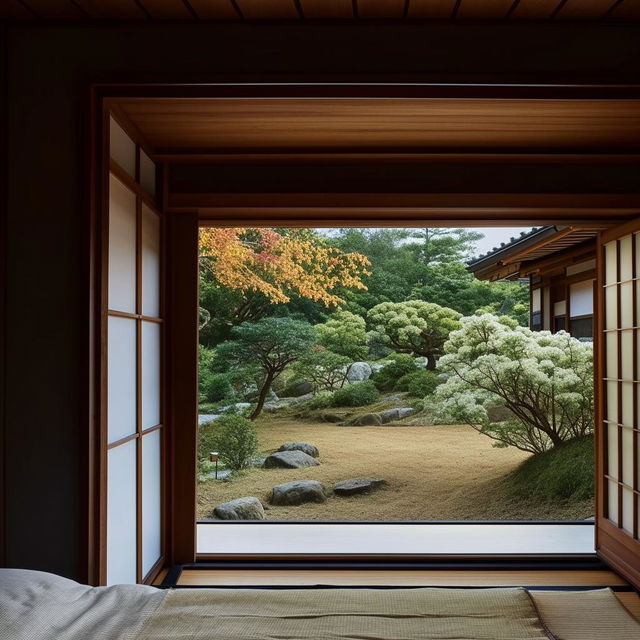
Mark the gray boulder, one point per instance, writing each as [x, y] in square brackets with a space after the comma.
[356, 486]
[289, 460]
[206, 418]
[297, 389]
[331, 417]
[298, 492]
[368, 420]
[396, 414]
[286, 402]
[240, 509]
[305, 447]
[358, 372]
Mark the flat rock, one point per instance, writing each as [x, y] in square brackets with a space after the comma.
[396, 414]
[206, 418]
[240, 509]
[297, 389]
[305, 447]
[289, 460]
[298, 492]
[368, 420]
[331, 417]
[286, 402]
[356, 486]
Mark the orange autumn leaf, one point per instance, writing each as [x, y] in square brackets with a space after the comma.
[276, 265]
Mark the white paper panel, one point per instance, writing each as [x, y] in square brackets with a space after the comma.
[612, 402]
[611, 307]
[628, 391]
[612, 451]
[122, 148]
[626, 258]
[151, 359]
[122, 247]
[611, 345]
[121, 368]
[610, 269]
[560, 308]
[581, 298]
[626, 355]
[627, 456]
[150, 263]
[151, 500]
[613, 502]
[626, 305]
[580, 267]
[121, 514]
[536, 300]
[627, 510]
[147, 173]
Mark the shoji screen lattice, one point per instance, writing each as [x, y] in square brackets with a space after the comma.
[618, 375]
[134, 364]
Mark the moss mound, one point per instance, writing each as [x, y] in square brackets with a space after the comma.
[563, 473]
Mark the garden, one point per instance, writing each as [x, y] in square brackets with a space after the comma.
[364, 374]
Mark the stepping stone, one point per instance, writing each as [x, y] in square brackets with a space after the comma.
[240, 509]
[289, 460]
[357, 486]
[298, 492]
[305, 447]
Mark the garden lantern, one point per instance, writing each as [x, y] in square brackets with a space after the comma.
[213, 457]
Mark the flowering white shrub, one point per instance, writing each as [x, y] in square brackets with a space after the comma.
[545, 381]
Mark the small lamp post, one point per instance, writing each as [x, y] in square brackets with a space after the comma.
[213, 457]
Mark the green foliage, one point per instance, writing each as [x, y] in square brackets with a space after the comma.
[418, 383]
[431, 269]
[272, 344]
[565, 472]
[356, 395]
[322, 400]
[234, 437]
[216, 387]
[399, 365]
[544, 380]
[344, 333]
[416, 326]
[325, 369]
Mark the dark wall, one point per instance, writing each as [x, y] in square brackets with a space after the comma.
[47, 314]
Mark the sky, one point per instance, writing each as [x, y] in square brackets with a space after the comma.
[495, 235]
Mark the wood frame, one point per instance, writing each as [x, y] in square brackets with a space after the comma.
[110, 168]
[578, 210]
[621, 549]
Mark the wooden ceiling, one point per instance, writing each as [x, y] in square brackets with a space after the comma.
[203, 10]
[398, 125]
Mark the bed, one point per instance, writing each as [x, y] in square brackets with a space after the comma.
[41, 606]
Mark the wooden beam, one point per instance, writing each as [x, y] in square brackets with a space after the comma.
[520, 255]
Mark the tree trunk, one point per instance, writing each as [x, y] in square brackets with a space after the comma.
[263, 395]
[431, 362]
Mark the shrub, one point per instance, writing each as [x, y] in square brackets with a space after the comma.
[344, 333]
[401, 364]
[234, 437]
[356, 395]
[321, 400]
[418, 383]
[566, 472]
[215, 387]
[545, 381]
[325, 369]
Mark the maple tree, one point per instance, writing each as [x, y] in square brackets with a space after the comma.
[278, 265]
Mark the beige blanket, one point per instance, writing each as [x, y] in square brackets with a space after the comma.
[356, 614]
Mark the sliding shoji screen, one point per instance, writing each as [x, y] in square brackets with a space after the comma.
[618, 370]
[133, 410]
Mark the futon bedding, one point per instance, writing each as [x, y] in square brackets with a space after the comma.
[39, 606]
